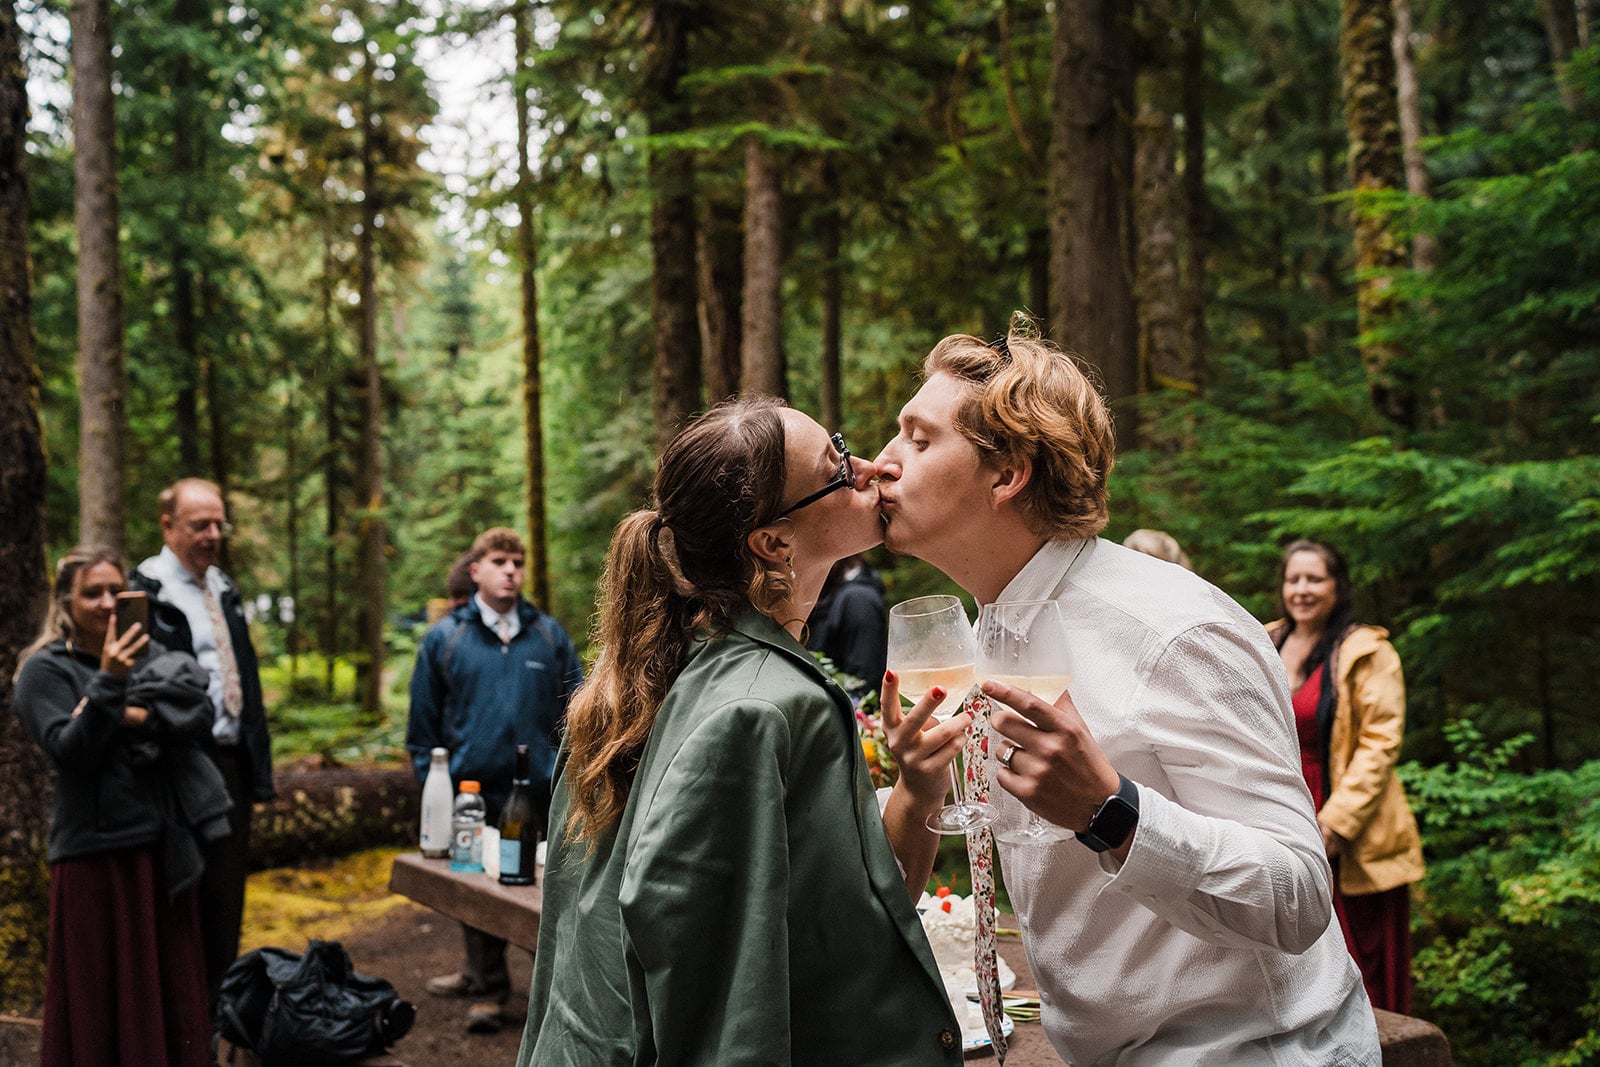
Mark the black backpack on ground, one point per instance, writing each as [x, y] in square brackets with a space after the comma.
[315, 1009]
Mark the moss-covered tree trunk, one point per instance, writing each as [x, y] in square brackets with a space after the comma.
[1372, 126]
[24, 774]
[1424, 250]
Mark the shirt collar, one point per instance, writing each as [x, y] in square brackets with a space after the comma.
[176, 570]
[490, 616]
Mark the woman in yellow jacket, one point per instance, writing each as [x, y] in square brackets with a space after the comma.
[1350, 711]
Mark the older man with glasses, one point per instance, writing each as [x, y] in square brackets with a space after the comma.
[196, 608]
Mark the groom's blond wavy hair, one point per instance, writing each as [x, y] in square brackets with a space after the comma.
[1029, 401]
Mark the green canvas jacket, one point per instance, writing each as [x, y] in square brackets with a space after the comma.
[746, 908]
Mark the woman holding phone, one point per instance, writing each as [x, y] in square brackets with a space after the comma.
[125, 978]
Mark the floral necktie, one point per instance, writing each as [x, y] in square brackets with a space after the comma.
[980, 854]
[232, 690]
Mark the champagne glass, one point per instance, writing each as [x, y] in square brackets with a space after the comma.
[1027, 644]
[931, 643]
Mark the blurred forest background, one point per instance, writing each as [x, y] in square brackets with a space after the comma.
[1337, 266]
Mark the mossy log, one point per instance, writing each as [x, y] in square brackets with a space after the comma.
[324, 812]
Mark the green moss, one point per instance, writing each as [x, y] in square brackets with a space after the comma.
[24, 922]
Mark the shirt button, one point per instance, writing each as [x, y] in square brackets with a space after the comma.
[947, 1039]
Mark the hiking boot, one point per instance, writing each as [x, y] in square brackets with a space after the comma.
[450, 985]
[484, 1018]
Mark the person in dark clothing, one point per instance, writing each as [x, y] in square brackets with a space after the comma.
[124, 966]
[850, 623]
[493, 674]
[195, 608]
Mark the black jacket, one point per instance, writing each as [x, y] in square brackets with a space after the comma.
[170, 627]
[117, 786]
[850, 625]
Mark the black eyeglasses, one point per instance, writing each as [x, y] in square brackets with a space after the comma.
[844, 477]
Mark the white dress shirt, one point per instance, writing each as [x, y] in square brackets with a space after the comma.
[181, 589]
[1213, 943]
[492, 619]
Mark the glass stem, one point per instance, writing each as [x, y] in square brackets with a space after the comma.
[957, 792]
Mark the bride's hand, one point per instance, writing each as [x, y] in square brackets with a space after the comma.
[922, 750]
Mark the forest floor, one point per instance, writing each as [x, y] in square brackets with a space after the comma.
[386, 935]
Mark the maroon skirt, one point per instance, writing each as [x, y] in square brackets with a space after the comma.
[1377, 930]
[125, 976]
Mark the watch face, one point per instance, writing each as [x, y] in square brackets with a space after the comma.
[1114, 821]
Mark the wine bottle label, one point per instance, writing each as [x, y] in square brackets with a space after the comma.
[510, 858]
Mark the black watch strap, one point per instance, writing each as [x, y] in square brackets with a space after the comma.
[1115, 820]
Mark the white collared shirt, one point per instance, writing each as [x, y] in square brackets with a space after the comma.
[181, 589]
[491, 619]
[1213, 943]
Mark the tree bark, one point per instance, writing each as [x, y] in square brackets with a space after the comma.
[330, 475]
[1372, 125]
[24, 772]
[832, 239]
[102, 388]
[372, 565]
[326, 812]
[1197, 206]
[1424, 251]
[672, 226]
[1157, 294]
[185, 317]
[532, 375]
[761, 357]
[1561, 29]
[1091, 172]
[719, 249]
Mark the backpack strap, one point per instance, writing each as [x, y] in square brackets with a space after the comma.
[457, 627]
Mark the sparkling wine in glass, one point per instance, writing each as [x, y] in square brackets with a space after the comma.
[931, 643]
[1027, 644]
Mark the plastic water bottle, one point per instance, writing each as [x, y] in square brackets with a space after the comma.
[466, 842]
[436, 806]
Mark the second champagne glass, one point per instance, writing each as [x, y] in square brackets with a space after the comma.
[1027, 644]
[931, 643]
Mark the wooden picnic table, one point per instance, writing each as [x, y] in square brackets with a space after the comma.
[512, 912]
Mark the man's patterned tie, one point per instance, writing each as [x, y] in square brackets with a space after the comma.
[232, 690]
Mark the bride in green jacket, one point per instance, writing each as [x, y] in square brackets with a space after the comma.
[719, 888]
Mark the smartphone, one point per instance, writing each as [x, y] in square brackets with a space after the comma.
[132, 607]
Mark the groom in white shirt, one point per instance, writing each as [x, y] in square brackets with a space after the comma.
[1189, 921]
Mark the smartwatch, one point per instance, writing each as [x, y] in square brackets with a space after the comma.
[1116, 818]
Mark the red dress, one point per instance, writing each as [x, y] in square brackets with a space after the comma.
[1377, 926]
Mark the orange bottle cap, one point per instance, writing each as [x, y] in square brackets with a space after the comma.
[469, 786]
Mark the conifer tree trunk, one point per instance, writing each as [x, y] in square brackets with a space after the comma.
[185, 315]
[372, 566]
[532, 375]
[719, 251]
[761, 357]
[672, 225]
[1195, 202]
[1561, 29]
[1424, 252]
[1091, 174]
[1372, 126]
[832, 238]
[1157, 292]
[102, 389]
[24, 772]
